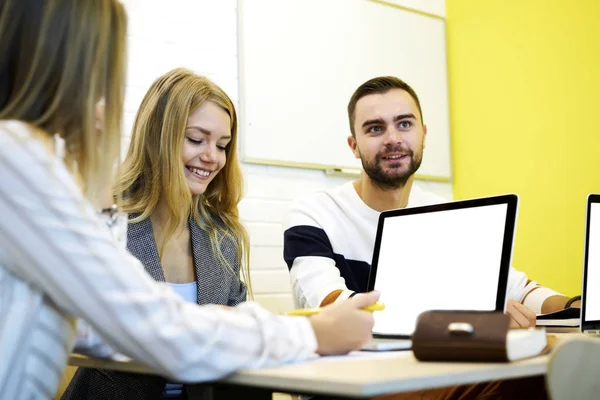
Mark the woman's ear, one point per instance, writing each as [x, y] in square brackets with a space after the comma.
[100, 114]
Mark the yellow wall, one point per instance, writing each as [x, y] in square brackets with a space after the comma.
[525, 106]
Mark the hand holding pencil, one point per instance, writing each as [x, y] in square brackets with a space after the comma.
[344, 326]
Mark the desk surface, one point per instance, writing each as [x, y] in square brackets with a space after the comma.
[373, 377]
[360, 374]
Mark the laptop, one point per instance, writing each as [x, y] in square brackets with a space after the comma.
[450, 256]
[590, 293]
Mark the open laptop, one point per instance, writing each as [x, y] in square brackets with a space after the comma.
[590, 293]
[451, 256]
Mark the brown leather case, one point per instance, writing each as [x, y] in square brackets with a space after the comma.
[461, 336]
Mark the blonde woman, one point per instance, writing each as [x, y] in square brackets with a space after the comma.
[58, 260]
[180, 183]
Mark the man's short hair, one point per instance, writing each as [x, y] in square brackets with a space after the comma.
[379, 85]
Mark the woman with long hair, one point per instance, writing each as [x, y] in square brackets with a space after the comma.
[181, 184]
[58, 259]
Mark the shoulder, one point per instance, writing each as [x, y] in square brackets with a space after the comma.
[136, 229]
[29, 156]
[17, 137]
[209, 218]
[200, 232]
[315, 208]
[16, 129]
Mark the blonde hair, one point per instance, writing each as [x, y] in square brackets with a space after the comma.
[153, 166]
[59, 58]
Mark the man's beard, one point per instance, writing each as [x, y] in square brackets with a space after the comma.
[391, 180]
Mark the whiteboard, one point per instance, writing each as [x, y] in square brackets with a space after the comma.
[301, 60]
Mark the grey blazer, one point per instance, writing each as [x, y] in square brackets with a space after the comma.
[215, 286]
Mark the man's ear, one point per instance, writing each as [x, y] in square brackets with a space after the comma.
[353, 147]
[424, 135]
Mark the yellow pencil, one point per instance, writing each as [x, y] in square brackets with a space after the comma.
[377, 306]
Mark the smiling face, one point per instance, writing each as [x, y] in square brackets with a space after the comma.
[207, 135]
[389, 137]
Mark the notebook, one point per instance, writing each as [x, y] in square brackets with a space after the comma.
[590, 294]
[450, 256]
[569, 317]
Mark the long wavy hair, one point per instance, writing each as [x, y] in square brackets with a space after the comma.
[58, 59]
[153, 167]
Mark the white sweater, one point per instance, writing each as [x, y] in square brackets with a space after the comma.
[328, 245]
[58, 262]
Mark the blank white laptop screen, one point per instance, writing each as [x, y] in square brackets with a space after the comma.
[442, 260]
[592, 281]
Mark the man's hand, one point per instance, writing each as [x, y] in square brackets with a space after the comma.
[557, 303]
[576, 304]
[520, 315]
[342, 327]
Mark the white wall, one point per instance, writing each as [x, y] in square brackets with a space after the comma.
[202, 35]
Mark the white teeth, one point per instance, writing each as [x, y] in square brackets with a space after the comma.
[199, 172]
[394, 157]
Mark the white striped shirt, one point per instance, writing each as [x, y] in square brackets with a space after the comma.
[58, 262]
